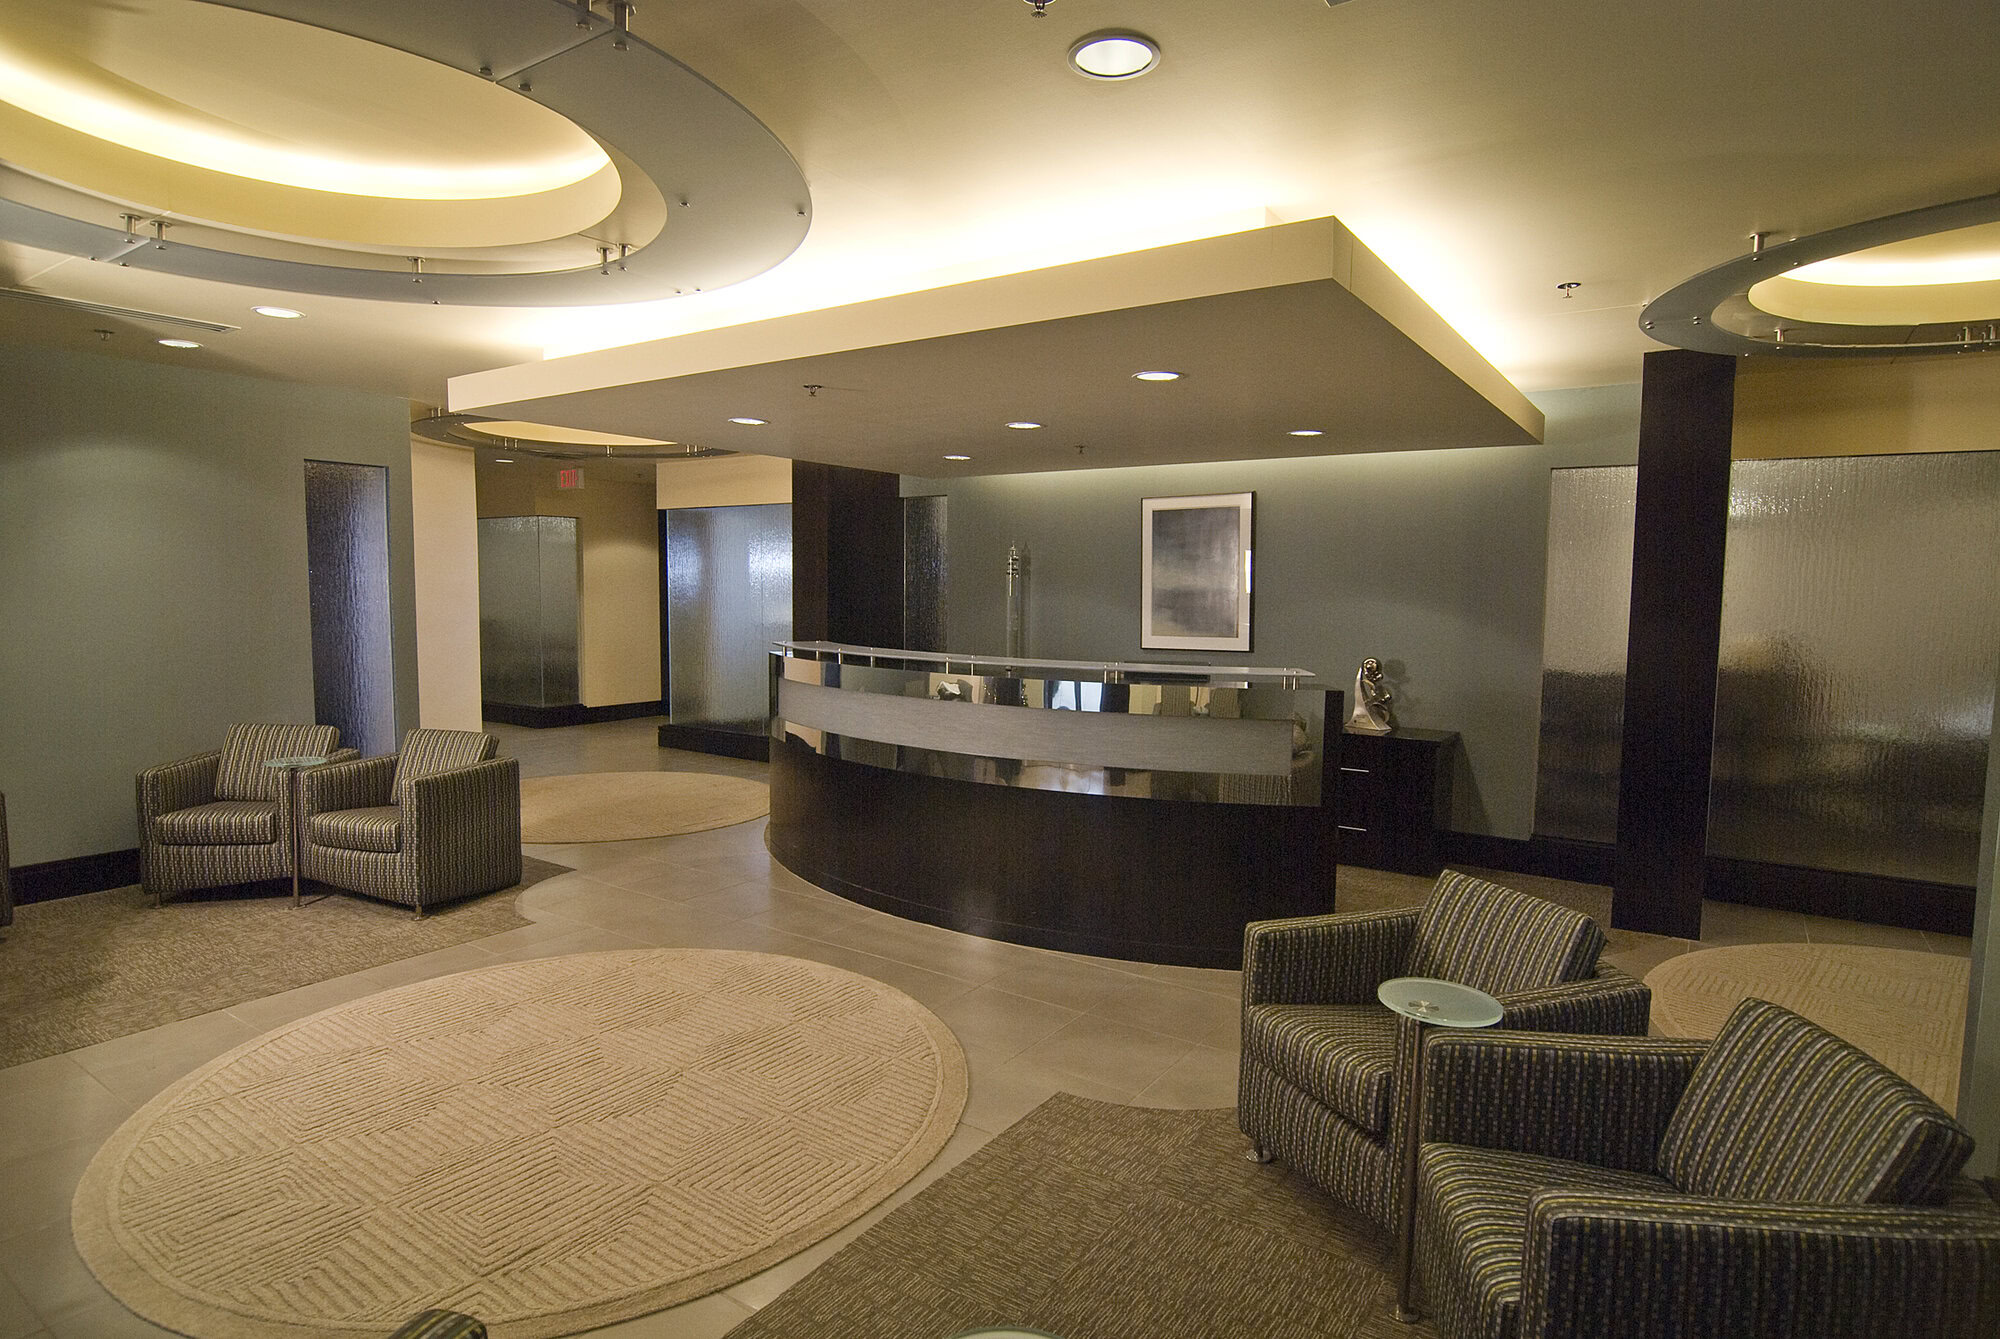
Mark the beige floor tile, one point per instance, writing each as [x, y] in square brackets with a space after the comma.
[1091, 1050]
[1000, 1021]
[57, 1101]
[49, 1273]
[135, 1068]
[1001, 1094]
[289, 1005]
[104, 1320]
[17, 1317]
[36, 1188]
[1957, 945]
[1060, 981]
[708, 1317]
[1204, 1077]
[1826, 930]
[577, 939]
[1191, 1015]
[424, 966]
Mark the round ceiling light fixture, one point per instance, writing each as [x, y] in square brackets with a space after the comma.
[1156, 376]
[1114, 55]
[1924, 281]
[510, 234]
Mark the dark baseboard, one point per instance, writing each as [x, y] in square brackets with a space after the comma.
[79, 874]
[546, 718]
[753, 745]
[1874, 898]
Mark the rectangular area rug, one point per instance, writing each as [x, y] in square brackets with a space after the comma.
[1091, 1220]
[79, 970]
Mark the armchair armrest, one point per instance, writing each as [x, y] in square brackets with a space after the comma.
[357, 783]
[1609, 1003]
[1337, 959]
[1600, 1100]
[177, 785]
[454, 814]
[1620, 1266]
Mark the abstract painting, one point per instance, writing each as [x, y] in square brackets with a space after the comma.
[1195, 572]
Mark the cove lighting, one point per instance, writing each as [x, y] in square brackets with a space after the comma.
[279, 313]
[1863, 271]
[1156, 376]
[1114, 55]
[1305, 432]
[179, 343]
[751, 422]
[1023, 425]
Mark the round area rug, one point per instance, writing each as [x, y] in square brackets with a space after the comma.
[550, 1145]
[624, 806]
[1907, 1009]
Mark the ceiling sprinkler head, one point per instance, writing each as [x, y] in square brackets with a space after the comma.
[1041, 7]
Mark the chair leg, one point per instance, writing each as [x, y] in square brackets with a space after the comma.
[1258, 1153]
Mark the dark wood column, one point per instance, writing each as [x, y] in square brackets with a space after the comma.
[1686, 403]
[847, 555]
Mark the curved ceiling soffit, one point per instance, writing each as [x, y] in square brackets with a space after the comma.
[736, 202]
[1712, 312]
[463, 430]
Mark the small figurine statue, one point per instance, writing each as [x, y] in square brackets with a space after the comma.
[1371, 700]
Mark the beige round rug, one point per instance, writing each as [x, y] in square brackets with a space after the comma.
[624, 806]
[1907, 1009]
[550, 1145]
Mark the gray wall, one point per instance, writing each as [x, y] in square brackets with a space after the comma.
[152, 541]
[1431, 561]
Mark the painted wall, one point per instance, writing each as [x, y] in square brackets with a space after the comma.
[618, 533]
[446, 559]
[152, 536]
[723, 481]
[1430, 561]
[1865, 407]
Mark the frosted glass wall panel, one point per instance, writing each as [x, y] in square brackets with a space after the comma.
[1585, 629]
[528, 607]
[729, 596]
[924, 573]
[1860, 635]
[347, 564]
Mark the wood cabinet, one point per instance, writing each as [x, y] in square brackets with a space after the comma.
[1392, 799]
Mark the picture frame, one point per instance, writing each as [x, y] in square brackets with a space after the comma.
[1194, 569]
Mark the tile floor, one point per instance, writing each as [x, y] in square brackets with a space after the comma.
[1032, 1022]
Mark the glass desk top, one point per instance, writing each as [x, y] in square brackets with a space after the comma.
[1442, 1003]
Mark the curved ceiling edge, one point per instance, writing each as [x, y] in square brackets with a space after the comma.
[1711, 312]
[737, 202]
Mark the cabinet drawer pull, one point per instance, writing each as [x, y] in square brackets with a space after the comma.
[1344, 827]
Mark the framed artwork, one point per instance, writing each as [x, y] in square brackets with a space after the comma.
[1194, 567]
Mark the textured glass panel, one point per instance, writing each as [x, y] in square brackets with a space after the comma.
[923, 573]
[729, 596]
[528, 584]
[1859, 642]
[347, 561]
[1583, 651]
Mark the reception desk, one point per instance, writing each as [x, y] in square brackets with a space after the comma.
[1132, 811]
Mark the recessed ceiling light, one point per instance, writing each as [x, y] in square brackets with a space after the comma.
[179, 343]
[1023, 424]
[503, 460]
[1305, 432]
[751, 422]
[958, 457]
[1114, 55]
[281, 313]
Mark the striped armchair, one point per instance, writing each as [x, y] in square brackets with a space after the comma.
[1326, 1078]
[220, 818]
[438, 821]
[1775, 1183]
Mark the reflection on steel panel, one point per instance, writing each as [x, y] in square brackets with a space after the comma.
[924, 573]
[1583, 651]
[347, 563]
[1859, 645]
[729, 596]
[528, 607]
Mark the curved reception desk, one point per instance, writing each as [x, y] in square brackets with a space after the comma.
[1131, 811]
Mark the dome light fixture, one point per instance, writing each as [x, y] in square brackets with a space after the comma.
[1112, 56]
[1156, 376]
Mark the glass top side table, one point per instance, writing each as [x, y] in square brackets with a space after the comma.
[295, 804]
[1437, 1003]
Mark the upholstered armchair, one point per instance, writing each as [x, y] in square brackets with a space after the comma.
[1775, 1183]
[438, 821]
[1327, 1070]
[221, 817]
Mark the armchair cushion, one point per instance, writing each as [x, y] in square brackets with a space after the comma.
[428, 752]
[378, 828]
[1782, 1110]
[1475, 1206]
[1500, 941]
[223, 823]
[242, 774]
[1341, 1054]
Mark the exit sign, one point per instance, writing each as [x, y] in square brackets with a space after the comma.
[570, 476]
